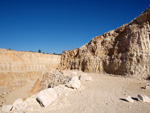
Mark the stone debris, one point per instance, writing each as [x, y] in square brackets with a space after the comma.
[19, 104]
[143, 98]
[7, 108]
[81, 88]
[25, 104]
[74, 83]
[18, 112]
[46, 97]
[62, 90]
[75, 73]
[31, 101]
[22, 104]
[123, 51]
[147, 87]
[54, 78]
[129, 99]
[85, 77]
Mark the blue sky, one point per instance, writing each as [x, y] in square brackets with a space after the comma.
[57, 25]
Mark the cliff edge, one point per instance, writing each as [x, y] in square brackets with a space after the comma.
[123, 51]
[17, 65]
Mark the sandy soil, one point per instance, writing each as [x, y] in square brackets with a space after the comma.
[104, 94]
[9, 94]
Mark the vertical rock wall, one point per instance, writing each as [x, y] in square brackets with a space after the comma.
[17, 65]
[123, 51]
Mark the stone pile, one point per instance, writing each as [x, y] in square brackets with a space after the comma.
[47, 96]
[54, 78]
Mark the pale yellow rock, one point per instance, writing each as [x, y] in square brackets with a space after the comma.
[143, 98]
[74, 83]
[129, 99]
[16, 65]
[123, 51]
[46, 97]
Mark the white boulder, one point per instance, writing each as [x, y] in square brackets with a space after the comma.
[129, 99]
[31, 103]
[74, 83]
[61, 90]
[31, 100]
[85, 77]
[75, 73]
[147, 87]
[22, 105]
[19, 104]
[7, 108]
[46, 97]
[143, 98]
[18, 112]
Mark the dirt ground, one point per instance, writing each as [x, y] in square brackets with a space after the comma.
[104, 94]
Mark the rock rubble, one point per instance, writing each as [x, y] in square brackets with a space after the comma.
[46, 96]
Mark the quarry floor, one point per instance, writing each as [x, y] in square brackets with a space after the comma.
[104, 94]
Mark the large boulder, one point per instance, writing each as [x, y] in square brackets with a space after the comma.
[74, 73]
[129, 99]
[147, 87]
[26, 104]
[62, 90]
[7, 108]
[31, 103]
[143, 98]
[19, 104]
[74, 83]
[85, 77]
[46, 97]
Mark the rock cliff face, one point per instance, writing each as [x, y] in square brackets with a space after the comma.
[123, 51]
[16, 65]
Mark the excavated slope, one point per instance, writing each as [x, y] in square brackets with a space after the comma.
[16, 65]
[123, 51]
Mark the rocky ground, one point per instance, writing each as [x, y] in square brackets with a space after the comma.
[100, 94]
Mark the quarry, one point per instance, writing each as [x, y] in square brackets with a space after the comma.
[109, 74]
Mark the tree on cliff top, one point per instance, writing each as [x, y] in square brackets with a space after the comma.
[39, 51]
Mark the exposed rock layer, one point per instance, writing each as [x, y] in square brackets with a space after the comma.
[16, 64]
[123, 51]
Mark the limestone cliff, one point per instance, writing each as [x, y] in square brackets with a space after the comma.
[17, 65]
[123, 51]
